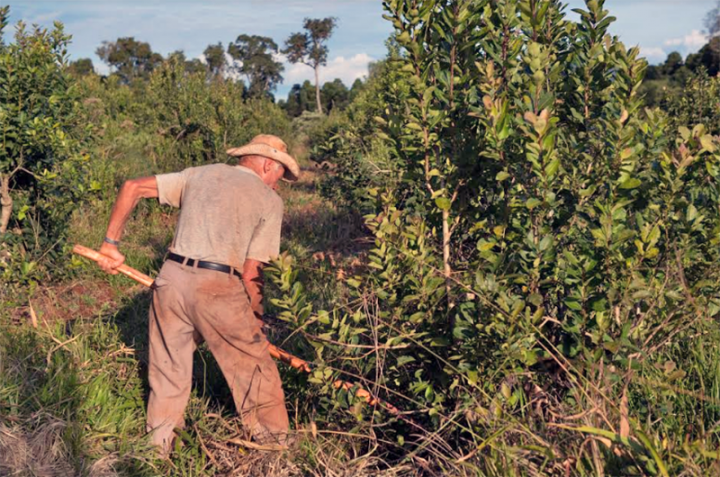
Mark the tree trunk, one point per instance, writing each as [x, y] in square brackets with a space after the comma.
[5, 201]
[317, 89]
[447, 270]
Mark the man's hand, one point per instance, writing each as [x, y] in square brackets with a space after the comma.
[112, 258]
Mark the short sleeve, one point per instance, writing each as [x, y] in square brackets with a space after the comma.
[265, 242]
[170, 187]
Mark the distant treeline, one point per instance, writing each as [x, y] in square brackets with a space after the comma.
[671, 77]
[251, 60]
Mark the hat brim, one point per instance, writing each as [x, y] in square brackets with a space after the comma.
[292, 169]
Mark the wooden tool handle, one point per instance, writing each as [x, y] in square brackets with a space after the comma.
[289, 359]
[124, 269]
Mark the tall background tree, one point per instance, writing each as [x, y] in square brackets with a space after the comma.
[81, 67]
[709, 55]
[300, 99]
[191, 66]
[130, 58]
[215, 60]
[708, 58]
[254, 59]
[712, 20]
[335, 96]
[310, 48]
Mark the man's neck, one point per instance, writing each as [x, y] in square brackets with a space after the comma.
[255, 171]
[251, 169]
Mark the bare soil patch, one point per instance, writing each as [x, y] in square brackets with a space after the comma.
[70, 301]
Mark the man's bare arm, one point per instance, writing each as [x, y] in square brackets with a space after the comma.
[252, 276]
[130, 194]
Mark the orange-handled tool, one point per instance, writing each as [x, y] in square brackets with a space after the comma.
[275, 352]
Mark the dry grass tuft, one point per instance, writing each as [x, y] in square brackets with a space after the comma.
[39, 453]
[310, 453]
[233, 461]
[104, 467]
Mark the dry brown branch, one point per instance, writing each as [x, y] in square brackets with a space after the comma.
[59, 345]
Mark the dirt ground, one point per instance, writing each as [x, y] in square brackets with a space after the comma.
[68, 301]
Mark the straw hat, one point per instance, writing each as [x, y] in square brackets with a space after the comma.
[272, 147]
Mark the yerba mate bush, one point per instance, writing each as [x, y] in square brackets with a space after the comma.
[178, 119]
[361, 159]
[43, 173]
[699, 103]
[550, 250]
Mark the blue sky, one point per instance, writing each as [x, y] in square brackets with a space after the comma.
[657, 26]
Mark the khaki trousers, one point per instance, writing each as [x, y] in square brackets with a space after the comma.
[189, 301]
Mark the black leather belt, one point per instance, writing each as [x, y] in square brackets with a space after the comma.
[218, 267]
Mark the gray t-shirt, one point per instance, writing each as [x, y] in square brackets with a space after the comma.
[227, 214]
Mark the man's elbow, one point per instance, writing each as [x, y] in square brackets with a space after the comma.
[130, 187]
[139, 188]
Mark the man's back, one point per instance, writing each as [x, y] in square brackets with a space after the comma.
[227, 214]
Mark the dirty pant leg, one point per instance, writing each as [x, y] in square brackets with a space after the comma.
[170, 364]
[236, 339]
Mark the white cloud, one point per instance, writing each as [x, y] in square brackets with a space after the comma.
[347, 69]
[653, 52]
[42, 18]
[694, 41]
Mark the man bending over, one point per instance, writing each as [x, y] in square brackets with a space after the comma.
[211, 284]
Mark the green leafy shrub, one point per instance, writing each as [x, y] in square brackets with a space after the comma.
[199, 120]
[698, 103]
[350, 145]
[176, 119]
[43, 173]
[547, 239]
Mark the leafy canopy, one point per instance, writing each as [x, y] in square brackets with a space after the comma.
[215, 60]
[310, 47]
[130, 58]
[256, 57]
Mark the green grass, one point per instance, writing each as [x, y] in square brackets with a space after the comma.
[81, 379]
